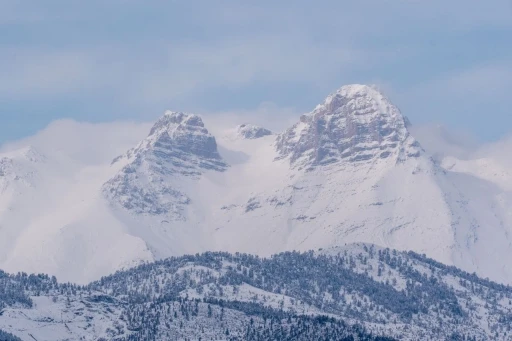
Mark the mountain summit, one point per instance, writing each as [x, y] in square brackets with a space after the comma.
[348, 171]
[251, 132]
[178, 145]
[356, 123]
[183, 142]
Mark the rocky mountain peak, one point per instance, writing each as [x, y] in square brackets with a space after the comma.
[19, 166]
[355, 123]
[182, 140]
[178, 145]
[251, 132]
[172, 120]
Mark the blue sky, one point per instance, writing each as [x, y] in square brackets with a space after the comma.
[447, 62]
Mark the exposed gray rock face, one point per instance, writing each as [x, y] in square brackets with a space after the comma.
[6, 166]
[19, 167]
[356, 123]
[178, 146]
[179, 143]
[251, 132]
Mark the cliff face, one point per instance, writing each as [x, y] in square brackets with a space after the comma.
[356, 123]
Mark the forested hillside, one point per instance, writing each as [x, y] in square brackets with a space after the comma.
[354, 292]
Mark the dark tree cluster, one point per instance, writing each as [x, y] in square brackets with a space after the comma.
[4, 336]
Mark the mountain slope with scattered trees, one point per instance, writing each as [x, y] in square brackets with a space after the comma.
[355, 292]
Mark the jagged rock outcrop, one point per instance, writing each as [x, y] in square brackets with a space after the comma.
[356, 123]
[19, 166]
[183, 142]
[251, 132]
[178, 145]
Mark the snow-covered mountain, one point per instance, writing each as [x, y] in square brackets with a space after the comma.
[251, 131]
[178, 147]
[349, 171]
[357, 123]
[354, 292]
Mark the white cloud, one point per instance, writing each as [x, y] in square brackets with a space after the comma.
[163, 73]
[440, 141]
[31, 72]
[206, 47]
[98, 143]
[474, 98]
[267, 115]
[484, 80]
[233, 63]
[499, 151]
[13, 12]
[84, 143]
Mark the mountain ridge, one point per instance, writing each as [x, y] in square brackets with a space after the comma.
[356, 289]
[349, 171]
[356, 123]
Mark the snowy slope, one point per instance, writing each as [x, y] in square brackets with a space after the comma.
[54, 218]
[349, 171]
